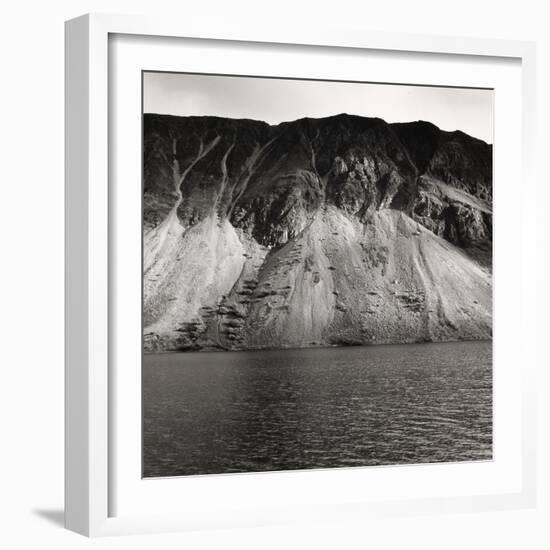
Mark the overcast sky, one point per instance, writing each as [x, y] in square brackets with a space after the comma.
[279, 100]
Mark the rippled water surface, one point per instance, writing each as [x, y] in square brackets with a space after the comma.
[316, 408]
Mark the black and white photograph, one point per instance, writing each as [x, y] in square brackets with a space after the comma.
[278, 279]
[317, 274]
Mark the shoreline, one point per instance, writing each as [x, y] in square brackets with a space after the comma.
[319, 347]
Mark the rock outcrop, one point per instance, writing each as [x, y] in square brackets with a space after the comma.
[336, 231]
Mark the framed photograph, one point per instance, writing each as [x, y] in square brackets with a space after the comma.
[297, 275]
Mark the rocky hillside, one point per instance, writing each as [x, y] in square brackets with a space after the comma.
[336, 231]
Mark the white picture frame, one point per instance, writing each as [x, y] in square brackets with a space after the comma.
[91, 398]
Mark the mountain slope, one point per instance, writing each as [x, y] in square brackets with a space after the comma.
[344, 230]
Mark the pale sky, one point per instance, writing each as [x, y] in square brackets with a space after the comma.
[279, 100]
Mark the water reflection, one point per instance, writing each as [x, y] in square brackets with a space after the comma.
[316, 408]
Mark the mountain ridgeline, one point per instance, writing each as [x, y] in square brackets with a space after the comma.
[337, 231]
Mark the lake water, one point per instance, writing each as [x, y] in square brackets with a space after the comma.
[316, 408]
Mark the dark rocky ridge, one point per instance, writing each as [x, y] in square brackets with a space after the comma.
[301, 194]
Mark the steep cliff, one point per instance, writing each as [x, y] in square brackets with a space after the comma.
[335, 231]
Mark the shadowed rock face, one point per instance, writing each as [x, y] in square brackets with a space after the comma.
[342, 230]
